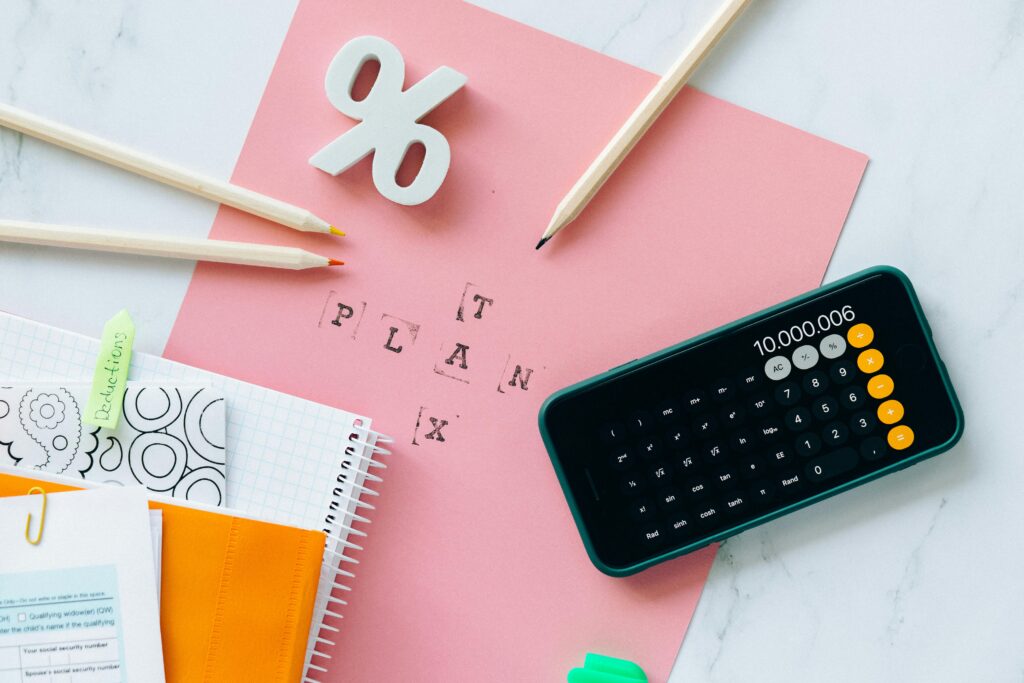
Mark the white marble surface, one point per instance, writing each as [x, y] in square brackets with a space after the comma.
[915, 577]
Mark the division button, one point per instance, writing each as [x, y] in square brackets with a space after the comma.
[900, 437]
[860, 335]
[832, 346]
[777, 367]
[890, 412]
[805, 357]
[870, 361]
[880, 386]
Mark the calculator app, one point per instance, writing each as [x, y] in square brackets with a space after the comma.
[778, 410]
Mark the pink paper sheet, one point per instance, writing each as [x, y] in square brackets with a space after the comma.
[473, 570]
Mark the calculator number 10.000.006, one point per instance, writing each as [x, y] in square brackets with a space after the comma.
[805, 330]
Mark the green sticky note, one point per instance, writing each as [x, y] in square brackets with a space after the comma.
[109, 381]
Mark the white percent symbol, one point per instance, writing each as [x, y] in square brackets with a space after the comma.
[388, 119]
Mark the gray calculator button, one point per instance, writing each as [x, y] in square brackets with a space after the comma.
[833, 346]
[805, 356]
[777, 367]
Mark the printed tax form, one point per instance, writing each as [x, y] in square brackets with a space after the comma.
[81, 605]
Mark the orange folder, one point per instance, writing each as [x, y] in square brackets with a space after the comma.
[236, 594]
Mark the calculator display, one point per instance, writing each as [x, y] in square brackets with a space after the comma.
[753, 420]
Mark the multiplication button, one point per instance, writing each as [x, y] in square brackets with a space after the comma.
[778, 368]
[870, 361]
[832, 346]
[805, 357]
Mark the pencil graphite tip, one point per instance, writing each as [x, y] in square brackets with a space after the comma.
[542, 242]
[335, 231]
[335, 262]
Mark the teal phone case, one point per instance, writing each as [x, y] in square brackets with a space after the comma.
[710, 336]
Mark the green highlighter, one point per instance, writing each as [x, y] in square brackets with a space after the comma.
[602, 669]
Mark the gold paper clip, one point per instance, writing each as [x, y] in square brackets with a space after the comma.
[42, 518]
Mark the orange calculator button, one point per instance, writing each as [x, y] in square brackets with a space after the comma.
[900, 437]
[870, 361]
[880, 386]
[890, 412]
[860, 335]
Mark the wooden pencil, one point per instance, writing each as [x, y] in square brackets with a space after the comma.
[240, 253]
[641, 119]
[162, 171]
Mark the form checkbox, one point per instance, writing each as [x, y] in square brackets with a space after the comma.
[22, 616]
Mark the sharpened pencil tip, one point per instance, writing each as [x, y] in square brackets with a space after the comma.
[335, 231]
[542, 242]
[335, 262]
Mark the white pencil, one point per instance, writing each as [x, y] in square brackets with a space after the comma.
[163, 172]
[641, 119]
[240, 253]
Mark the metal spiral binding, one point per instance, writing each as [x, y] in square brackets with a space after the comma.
[346, 499]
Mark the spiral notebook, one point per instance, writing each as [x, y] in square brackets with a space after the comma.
[289, 461]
